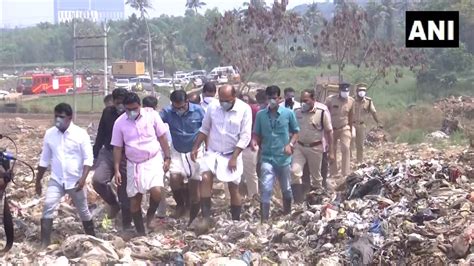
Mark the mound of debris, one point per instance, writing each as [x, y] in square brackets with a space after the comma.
[458, 111]
[406, 204]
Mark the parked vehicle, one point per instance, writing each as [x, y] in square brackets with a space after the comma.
[48, 83]
[224, 74]
[144, 82]
[123, 83]
[127, 70]
[4, 94]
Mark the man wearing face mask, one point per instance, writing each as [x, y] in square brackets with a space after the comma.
[103, 154]
[290, 102]
[250, 155]
[341, 107]
[228, 128]
[184, 120]
[67, 148]
[362, 107]
[314, 122]
[142, 133]
[208, 95]
[273, 127]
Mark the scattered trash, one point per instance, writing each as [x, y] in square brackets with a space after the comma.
[407, 205]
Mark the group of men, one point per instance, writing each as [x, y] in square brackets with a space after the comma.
[231, 139]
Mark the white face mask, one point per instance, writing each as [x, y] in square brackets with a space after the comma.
[344, 94]
[208, 99]
[361, 94]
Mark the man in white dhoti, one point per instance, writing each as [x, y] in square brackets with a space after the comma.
[227, 127]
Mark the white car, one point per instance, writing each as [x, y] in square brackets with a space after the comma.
[124, 84]
[4, 94]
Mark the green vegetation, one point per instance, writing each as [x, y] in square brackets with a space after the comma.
[86, 103]
[413, 136]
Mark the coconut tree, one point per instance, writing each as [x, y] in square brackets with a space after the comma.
[195, 4]
[143, 6]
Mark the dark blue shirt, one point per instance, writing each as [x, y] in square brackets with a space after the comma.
[183, 129]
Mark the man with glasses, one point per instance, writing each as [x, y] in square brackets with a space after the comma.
[184, 120]
[273, 127]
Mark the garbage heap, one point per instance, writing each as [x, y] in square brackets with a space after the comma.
[458, 111]
[408, 205]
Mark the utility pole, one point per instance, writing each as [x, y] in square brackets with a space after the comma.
[74, 69]
[150, 57]
[106, 81]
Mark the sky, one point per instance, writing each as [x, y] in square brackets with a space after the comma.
[29, 12]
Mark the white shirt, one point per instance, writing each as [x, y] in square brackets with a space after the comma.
[226, 130]
[205, 105]
[67, 153]
[296, 104]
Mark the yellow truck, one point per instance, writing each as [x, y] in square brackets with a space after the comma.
[128, 70]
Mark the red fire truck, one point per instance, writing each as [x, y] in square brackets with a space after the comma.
[48, 83]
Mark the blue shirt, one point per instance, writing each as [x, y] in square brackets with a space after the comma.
[274, 131]
[183, 129]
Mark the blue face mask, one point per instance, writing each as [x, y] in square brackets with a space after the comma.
[226, 105]
[306, 107]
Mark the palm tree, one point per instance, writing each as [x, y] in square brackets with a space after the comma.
[142, 6]
[195, 4]
[169, 41]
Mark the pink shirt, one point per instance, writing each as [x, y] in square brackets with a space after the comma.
[139, 137]
[325, 108]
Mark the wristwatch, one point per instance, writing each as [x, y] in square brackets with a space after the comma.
[291, 145]
[167, 158]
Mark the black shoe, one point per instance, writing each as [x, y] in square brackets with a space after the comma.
[235, 211]
[138, 221]
[264, 212]
[286, 206]
[89, 227]
[126, 218]
[150, 214]
[46, 227]
[193, 212]
[206, 207]
[298, 192]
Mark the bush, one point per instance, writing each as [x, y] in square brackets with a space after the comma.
[304, 59]
[413, 136]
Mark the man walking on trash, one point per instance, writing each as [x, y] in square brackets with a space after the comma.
[67, 148]
[273, 127]
[184, 120]
[227, 127]
[103, 154]
[363, 106]
[250, 155]
[341, 107]
[314, 123]
[142, 134]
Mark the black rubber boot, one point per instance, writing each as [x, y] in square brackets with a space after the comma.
[126, 218]
[206, 207]
[235, 211]
[264, 212]
[286, 206]
[298, 193]
[138, 221]
[179, 197]
[194, 211]
[150, 214]
[46, 227]
[89, 227]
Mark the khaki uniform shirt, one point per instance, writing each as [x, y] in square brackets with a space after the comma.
[340, 110]
[311, 129]
[362, 108]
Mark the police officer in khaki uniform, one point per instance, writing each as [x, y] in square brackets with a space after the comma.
[314, 123]
[363, 106]
[341, 107]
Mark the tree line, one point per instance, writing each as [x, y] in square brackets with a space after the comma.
[257, 37]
